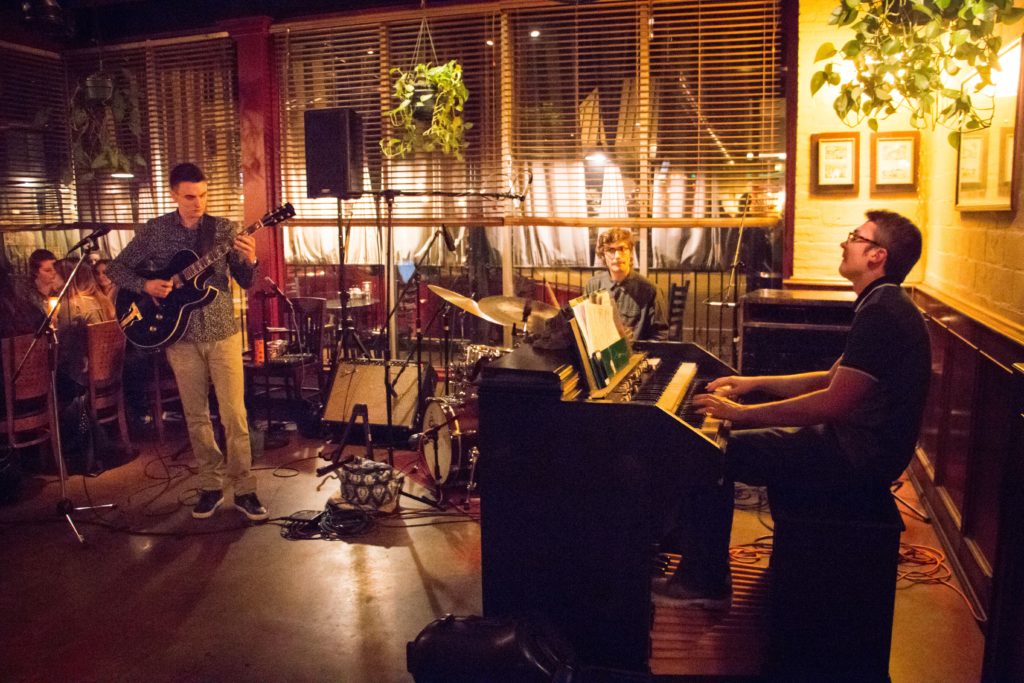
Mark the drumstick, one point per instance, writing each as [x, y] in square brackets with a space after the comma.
[551, 294]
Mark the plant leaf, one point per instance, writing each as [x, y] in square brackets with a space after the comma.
[817, 80]
[825, 51]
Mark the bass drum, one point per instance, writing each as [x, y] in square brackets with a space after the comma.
[450, 434]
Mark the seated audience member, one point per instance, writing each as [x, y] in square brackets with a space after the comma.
[43, 281]
[103, 281]
[83, 305]
[17, 314]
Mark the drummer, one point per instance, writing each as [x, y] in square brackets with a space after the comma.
[641, 304]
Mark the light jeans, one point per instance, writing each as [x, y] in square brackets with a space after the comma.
[195, 364]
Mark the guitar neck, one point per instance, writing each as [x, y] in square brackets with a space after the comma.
[215, 254]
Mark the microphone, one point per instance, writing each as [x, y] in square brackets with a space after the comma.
[449, 240]
[94, 235]
[274, 288]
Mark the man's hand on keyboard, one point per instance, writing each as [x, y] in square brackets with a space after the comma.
[732, 386]
[719, 406]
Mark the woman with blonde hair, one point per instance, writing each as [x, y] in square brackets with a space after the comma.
[83, 305]
[85, 300]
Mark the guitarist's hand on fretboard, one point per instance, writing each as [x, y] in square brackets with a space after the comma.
[245, 245]
[158, 288]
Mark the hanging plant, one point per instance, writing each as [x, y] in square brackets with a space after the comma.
[106, 131]
[906, 54]
[428, 117]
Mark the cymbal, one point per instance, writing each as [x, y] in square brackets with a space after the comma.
[463, 302]
[514, 310]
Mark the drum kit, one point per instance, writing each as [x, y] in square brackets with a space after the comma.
[449, 441]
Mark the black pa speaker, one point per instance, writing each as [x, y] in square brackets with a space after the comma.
[362, 381]
[334, 153]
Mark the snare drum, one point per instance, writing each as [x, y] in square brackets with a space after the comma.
[450, 431]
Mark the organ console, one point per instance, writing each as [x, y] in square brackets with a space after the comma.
[579, 486]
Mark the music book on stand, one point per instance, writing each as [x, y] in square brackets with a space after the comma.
[601, 343]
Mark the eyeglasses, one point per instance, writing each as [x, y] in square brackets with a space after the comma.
[620, 248]
[853, 237]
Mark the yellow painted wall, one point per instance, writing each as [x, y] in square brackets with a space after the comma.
[972, 258]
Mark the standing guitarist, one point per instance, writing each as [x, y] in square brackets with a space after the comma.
[211, 346]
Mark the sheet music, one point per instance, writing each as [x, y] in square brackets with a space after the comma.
[602, 345]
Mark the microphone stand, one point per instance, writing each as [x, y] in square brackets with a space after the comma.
[731, 287]
[347, 335]
[65, 506]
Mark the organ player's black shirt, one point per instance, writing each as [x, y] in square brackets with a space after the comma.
[888, 341]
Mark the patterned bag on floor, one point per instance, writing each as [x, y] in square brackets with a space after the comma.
[371, 486]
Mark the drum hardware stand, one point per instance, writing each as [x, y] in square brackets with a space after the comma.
[65, 506]
[447, 352]
[474, 455]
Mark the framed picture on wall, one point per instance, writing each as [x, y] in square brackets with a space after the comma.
[835, 163]
[973, 161]
[894, 161]
[1006, 137]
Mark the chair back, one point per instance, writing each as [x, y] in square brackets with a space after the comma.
[28, 403]
[105, 348]
[306, 334]
[677, 294]
[34, 381]
[105, 344]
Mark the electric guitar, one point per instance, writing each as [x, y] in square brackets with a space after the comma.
[149, 322]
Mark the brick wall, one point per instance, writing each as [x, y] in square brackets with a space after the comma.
[976, 258]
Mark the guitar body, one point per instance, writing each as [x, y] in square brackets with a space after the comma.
[151, 323]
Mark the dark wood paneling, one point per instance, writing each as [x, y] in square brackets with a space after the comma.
[933, 425]
[969, 469]
[951, 459]
[1004, 642]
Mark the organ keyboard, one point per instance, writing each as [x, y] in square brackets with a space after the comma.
[577, 488]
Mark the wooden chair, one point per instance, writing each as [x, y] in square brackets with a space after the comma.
[105, 347]
[305, 345]
[28, 417]
[676, 308]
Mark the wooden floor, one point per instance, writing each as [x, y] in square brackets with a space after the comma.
[700, 642]
[157, 596]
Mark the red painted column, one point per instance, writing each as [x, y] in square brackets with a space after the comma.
[257, 111]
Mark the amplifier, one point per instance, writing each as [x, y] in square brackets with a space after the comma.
[362, 381]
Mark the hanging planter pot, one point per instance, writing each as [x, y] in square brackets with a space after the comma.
[423, 102]
[428, 117]
[98, 87]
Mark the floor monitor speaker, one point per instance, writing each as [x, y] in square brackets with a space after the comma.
[362, 381]
[334, 153]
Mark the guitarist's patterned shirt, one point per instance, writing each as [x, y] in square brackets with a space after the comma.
[159, 240]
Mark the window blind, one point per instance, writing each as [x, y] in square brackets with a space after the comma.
[347, 64]
[33, 146]
[179, 104]
[656, 113]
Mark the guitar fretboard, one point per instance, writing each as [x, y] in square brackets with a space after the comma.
[215, 254]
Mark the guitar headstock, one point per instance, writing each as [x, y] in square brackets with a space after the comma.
[281, 213]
